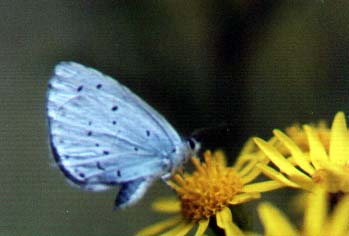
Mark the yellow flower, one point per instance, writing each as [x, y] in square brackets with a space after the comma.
[316, 221]
[298, 135]
[325, 162]
[207, 193]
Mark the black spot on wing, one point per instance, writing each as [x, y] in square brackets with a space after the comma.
[99, 166]
[105, 152]
[98, 86]
[89, 133]
[114, 122]
[148, 133]
[114, 108]
[80, 88]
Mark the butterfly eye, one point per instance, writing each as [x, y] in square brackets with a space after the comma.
[193, 144]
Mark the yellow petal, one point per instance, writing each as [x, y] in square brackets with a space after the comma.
[225, 221]
[248, 147]
[262, 186]
[167, 205]
[317, 151]
[280, 161]
[274, 221]
[340, 220]
[251, 153]
[241, 161]
[245, 165]
[244, 197]
[296, 152]
[249, 172]
[220, 158]
[339, 148]
[315, 212]
[203, 224]
[196, 162]
[180, 230]
[273, 174]
[158, 227]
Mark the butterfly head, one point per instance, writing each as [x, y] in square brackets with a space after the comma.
[190, 147]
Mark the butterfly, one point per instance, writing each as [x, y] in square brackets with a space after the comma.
[103, 135]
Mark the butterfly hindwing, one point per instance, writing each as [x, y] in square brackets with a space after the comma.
[101, 133]
[132, 191]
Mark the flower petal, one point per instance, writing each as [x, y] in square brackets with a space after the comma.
[263, 186]
[244, 197]
[248, 147]
[315, 213]
[339, 148]
[251, 153]
[167, 205]
[180, 230]
[203, 224]
[249, 171]
[297, 154]
[273, 174]
[274, 221]
[340, 220]
[280, 161]
[317, 151]
[225, 221]
[160, 226]
[220, 158]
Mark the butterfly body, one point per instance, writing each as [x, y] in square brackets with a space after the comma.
[102, 134]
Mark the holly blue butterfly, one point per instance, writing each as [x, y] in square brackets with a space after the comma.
[102, 134]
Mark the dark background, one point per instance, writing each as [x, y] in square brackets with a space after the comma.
[255, 65]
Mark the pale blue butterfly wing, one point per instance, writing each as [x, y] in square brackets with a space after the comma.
[102, 134]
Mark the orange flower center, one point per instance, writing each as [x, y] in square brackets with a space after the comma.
[208, 190]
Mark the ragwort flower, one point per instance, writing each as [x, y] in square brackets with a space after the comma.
[207, 193]
[321, 158]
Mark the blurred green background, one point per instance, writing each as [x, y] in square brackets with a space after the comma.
[255, 65]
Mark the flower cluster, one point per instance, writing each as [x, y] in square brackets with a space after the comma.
[322, 159]
[311, 158]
